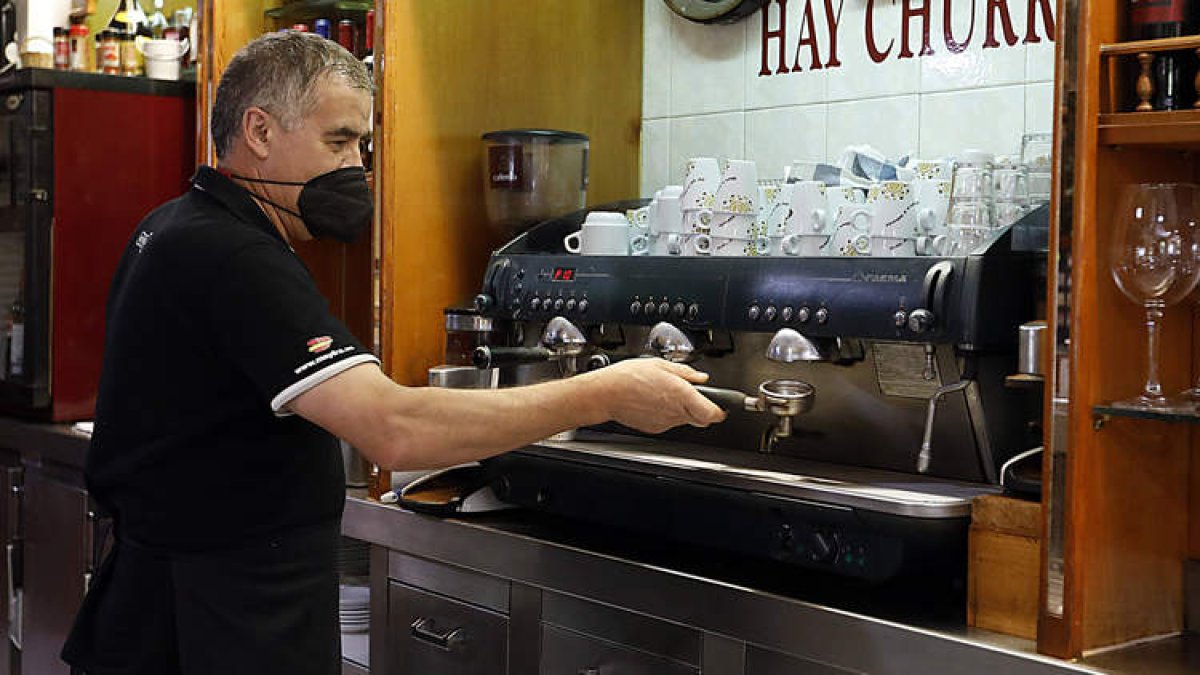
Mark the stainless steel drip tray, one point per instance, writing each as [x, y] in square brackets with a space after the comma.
[829, 484]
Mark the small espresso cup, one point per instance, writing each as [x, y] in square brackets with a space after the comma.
[692, 245]
[726, 247]
[734, 226]
[809, 210]
[667, 216]
[738, 192]
[933, 204]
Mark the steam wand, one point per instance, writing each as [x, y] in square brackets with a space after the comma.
[925, 457]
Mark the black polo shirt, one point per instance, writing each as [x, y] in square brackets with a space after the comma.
[214, 326]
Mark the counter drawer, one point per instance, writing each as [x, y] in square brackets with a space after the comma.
[433, 635]
[764, 662]
[566, 652]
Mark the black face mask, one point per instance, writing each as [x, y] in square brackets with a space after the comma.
[337, 204]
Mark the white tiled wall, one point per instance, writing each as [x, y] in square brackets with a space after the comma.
[702, 94]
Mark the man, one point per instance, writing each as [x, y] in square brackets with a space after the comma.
[225, 376]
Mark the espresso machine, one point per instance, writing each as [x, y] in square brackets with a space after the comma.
[867, 397]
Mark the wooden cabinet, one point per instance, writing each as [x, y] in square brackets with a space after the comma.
[1123, 502]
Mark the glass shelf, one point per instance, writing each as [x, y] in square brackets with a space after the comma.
[1101, 414]
[304, 10]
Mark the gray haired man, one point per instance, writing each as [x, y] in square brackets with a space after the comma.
[226, 380]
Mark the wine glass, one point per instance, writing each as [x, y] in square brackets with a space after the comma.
[1154, 263]
[1192, 394]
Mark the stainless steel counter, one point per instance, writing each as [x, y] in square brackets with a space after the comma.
[512, 546]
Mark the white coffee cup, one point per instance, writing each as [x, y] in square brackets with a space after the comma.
[667, 243]
[935, 245]
[162, 57]
[605, 233]
[667, 216]
[809, 211]
[734, 226]
[807, 244]
[893, 247]
[931, 169]
[775, 201]
[727, 247]
[933, 202]
[738, 191]
[701, 179]
[696, 245]
[894, 209]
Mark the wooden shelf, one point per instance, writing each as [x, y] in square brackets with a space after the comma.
[1176, 128]
[1101, 413]
[1150, 46]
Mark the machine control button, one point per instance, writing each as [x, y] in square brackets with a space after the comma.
[679, 310]
[558, 304]
[664, 309]
[571, 304]
[802, 314]
[583, 306]
[693, 312]
[900, 318]
[535, 304]
[770, 313]
[650, 308]
[754, 313]
[635, 308]
[822, 548]
[920, 320]
[822, 316]
[787, 314]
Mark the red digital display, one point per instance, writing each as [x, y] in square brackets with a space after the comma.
[563, 274]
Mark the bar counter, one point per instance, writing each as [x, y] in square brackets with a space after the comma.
[727, 601]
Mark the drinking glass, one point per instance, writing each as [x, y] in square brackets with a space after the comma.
[1154, 263]
[1192, 394]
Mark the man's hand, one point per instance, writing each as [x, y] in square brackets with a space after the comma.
[653, 395]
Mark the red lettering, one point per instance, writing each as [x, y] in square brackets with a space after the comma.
[953, 45]
[1031, 35]
[833, 19]
[876, 55]
[778, 34]
[907, 14]
[1000, 7]
[808, 37]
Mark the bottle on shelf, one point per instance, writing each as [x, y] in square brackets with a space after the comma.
[369, 52]
[321, 27]
[345, 35]
[158, 21]
[130, 19]
[1172, 72]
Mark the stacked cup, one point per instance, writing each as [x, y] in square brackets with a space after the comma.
[1036, 152]
[735, 228]
[850, 221]
[808, 225]
[1011, 194]
[666, 228]
[700, 183]
[894, 222]
[775, 204]
[971, 218]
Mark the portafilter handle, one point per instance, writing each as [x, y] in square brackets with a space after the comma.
[730, 399]
[497, 357]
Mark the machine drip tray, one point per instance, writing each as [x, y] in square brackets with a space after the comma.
[885, 492]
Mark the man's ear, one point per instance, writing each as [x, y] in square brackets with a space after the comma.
[257, 128]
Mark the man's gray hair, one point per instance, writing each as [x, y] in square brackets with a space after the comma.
[277, 72]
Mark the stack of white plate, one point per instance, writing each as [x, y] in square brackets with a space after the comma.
[354, 609]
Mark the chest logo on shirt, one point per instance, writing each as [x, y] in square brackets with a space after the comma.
[143, 238]
[319, 344]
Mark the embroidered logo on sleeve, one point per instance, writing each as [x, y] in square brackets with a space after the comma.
[319, 344]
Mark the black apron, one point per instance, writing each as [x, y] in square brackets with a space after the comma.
[270, 607]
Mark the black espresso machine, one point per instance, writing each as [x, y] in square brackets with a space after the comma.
[908, 417]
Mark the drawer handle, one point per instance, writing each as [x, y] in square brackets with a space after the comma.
[450, 640]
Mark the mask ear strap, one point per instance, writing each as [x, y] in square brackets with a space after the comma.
[263, 180]
[278, 206]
